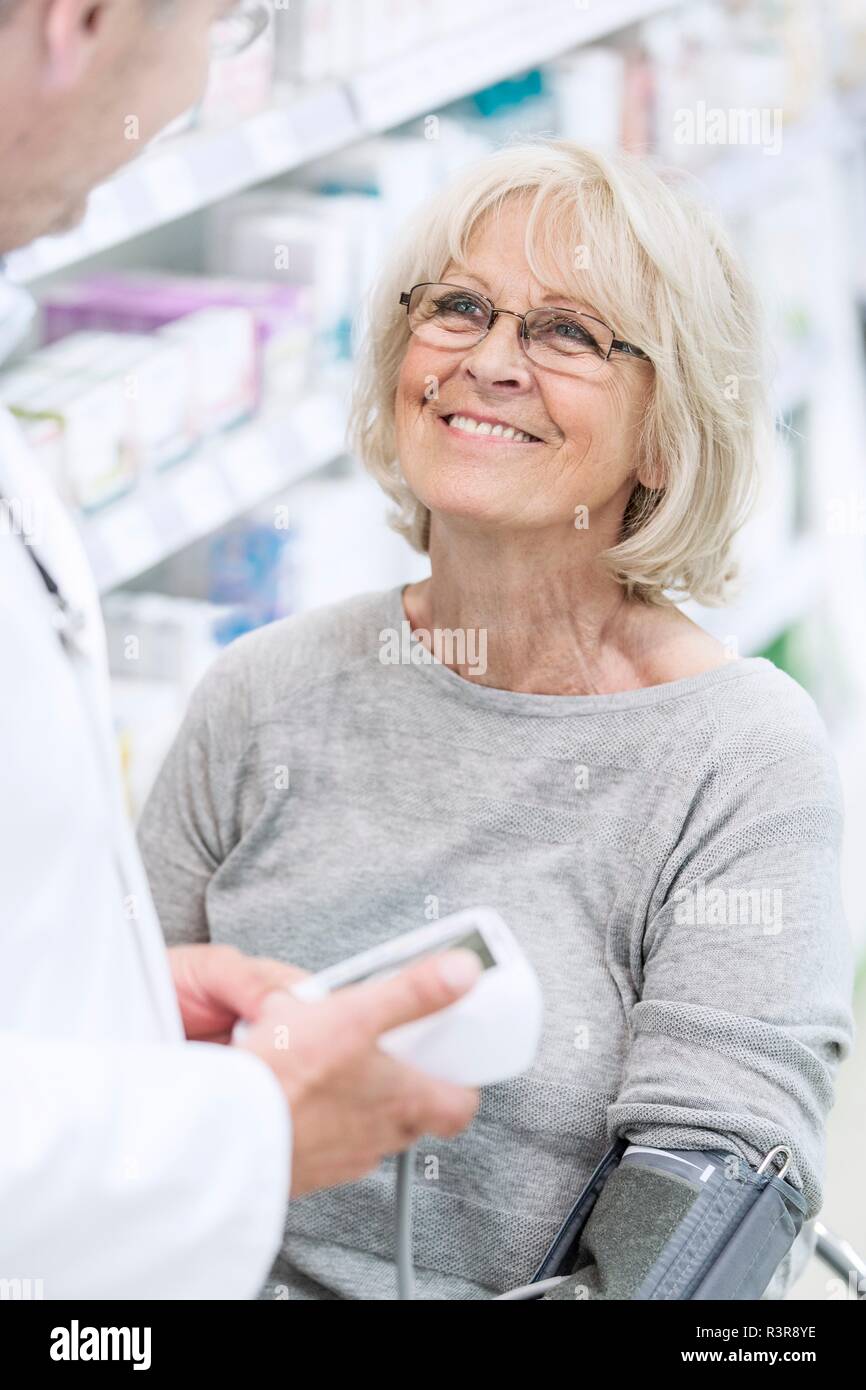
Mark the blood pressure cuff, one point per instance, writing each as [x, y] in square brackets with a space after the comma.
[674, 1224]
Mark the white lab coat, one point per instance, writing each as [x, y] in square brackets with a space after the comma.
[132, 1164]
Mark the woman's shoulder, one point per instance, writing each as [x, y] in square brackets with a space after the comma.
[767, 709]
[746, 698]
[274, 660]
[730, 699]
[764, 743]
[756, 775]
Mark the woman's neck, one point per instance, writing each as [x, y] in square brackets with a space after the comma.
[525, 618]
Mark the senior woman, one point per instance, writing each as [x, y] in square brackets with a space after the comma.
[562, 390]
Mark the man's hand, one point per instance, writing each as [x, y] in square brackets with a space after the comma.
[351, 1104]
[217, 985]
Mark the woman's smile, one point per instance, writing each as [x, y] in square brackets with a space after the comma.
[484, 430]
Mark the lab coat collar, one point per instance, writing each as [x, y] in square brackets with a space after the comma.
[55, 540]
[17, 311]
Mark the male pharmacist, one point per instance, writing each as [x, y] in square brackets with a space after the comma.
[133, 1163]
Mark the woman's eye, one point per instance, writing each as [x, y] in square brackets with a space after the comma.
[573, 331]
[456, 306]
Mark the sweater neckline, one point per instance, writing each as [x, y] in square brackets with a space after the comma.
[523, 702]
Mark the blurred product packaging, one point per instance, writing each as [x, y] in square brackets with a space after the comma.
[159, 647]
[316, 246]
[142, 302]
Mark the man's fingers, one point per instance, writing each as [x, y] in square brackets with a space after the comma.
[375, 1008]
[242, 982]
[443, 1109]
[274, 974]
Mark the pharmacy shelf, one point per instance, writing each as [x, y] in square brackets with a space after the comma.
[522, 37]
[178, 176]
[222, 480]
[188, 172]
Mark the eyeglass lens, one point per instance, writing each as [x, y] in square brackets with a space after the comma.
[446, 315]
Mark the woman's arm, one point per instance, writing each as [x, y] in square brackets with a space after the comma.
[745, 997]
[192, 818]
[744, 1008]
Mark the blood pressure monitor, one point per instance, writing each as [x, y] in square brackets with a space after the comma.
[488, 1035]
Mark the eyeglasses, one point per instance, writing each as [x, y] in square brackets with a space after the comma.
[239, 28]
[449, 316]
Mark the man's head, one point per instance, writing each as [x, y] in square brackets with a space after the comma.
[84, 85]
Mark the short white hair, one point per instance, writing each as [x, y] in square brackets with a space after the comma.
[638, 245]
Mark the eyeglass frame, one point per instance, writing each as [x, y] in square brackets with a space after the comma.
[259, 13]
[616, 345]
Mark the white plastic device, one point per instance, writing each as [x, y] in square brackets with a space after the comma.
[488, 1035]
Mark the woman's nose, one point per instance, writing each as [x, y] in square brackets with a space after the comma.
[498, 359]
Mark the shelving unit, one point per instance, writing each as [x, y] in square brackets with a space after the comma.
[222, 480]
[178, 176]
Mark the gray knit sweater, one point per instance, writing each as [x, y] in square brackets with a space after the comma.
[668, 858]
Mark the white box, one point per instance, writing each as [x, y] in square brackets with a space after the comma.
[221, 348]
[97, 464]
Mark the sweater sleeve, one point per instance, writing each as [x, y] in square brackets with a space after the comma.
[191, 820]
[744, 1001]
[743, 1010]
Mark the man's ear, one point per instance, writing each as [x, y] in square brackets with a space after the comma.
[70, 32]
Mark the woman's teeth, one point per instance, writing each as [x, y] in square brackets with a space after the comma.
[466, 423]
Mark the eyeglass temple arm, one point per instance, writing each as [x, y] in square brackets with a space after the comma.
[619, 346]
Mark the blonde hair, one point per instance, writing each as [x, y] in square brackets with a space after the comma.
[639, 246]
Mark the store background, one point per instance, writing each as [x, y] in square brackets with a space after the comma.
[203, 448]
